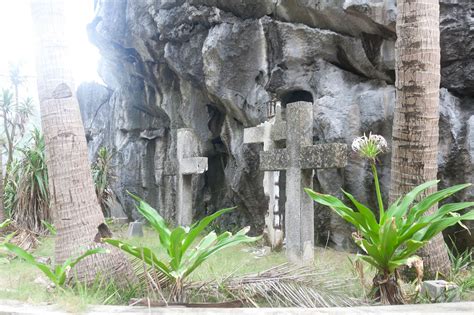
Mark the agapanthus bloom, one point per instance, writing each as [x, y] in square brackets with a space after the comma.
[369, 147]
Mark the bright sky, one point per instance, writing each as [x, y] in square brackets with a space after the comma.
[16, 35]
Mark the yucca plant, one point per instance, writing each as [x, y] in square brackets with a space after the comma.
[392, 241]
[185, 252]
[26, 192]
[102, 175]
[58, 274]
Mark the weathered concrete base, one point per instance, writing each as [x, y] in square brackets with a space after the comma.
[15, 307]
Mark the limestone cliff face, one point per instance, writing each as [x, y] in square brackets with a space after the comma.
[212, 65]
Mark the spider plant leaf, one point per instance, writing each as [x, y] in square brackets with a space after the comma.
[143, 253]
[446, 209]
[155, 220]
[440, 225]
[368, 215]
[27, 257]
[340, 208]
[201, 225]
[420, 208]
[388, 239]
[406, 201]
[175, 251]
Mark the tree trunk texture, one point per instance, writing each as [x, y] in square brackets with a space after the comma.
[415, 122]
[75, 208]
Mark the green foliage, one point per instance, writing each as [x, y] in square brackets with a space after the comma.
[5, 223]
[183, 258]
[50, 227]
[403, 229]
[26, 191]
[102, 175]
[59, 274]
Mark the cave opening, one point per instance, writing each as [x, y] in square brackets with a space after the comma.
[295, 96]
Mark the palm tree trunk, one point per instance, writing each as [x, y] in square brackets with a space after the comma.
[415, 122]
[76, 211]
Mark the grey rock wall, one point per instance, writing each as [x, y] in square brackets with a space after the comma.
[212, 65]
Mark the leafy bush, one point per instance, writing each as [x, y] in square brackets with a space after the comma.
[183, 258]
[393, 240]
[26, 191]
[27, 188]
[59, 274]
[102, 175]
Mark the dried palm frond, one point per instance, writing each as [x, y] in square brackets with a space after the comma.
[25, 239]
[281, 286]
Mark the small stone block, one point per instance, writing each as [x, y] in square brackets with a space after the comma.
[440, 290]
[135, 229]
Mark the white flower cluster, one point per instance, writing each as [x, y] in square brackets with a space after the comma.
[369, 146]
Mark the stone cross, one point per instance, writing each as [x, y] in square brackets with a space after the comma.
[273, 226]
[188, 163]
[299, 159]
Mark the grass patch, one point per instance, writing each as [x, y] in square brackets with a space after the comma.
[17, 279]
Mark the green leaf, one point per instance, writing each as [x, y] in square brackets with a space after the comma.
[49, 227]
[371, 261]
[420, 208]
[143, 253]
[404, 205]
[200, 226]
[446, 209]
[5, 223]
[223, 241]
[440, 225]
[156, 221]
[411, 246]
[388, 239]
[27, 257]
[175, 250]
[341, 209]
[368, 215]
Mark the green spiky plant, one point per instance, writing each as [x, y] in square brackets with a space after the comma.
[57, 274]
[102, 175]
[185, 252]
[392, 241]
[26, 192]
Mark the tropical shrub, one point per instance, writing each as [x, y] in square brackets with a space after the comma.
[26, 191]
[58, 274]
[184, 251]
[102, 175]
[392, 241]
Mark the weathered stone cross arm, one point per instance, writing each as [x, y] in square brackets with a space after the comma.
[187, 166]
[318, 156]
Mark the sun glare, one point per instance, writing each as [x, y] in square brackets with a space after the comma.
[18, 41]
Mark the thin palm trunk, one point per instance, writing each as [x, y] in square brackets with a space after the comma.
[76, 211]
[415, 124]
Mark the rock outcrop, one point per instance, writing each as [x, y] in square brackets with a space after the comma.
[212, 65]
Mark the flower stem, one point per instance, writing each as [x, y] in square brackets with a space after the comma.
[377, 190]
